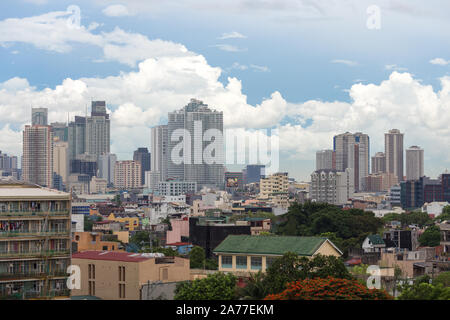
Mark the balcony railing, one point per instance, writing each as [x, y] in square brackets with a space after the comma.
[15, 213]
[31, 274]
[35, 295]
[32, 253]
[14, 234]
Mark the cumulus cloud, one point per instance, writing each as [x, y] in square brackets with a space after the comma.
[440, 61]
[228, 48]
[231, 35]
[116, 10]
[349, 63]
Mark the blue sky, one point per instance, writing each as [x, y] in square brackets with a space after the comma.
[313, 53]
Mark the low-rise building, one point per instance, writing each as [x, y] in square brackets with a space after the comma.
[86, 241]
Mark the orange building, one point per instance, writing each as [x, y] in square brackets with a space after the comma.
[86, 241]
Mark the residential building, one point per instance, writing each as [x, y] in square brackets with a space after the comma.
[434, 208]
[352, 151]
[254, 173]
[84, 164]
[160, 150]
[245, 254]
[331, 186]
[87, 240]
[414, 163]
[379, 163]
[325, 159]
[37, 159]
[373, 243]
[415, 193]
[152, 179]
[380, 182]
[106, 164]
[127, 174]
[61, 158]
[98, 185]
[35, 232]
[121, 275]
[143, 156]
[197, 125]
[176, 187]
[393, 150]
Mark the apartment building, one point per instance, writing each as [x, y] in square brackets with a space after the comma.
[120, 275]
[35, 231]
[127, 174]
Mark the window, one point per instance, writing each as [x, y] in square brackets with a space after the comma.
[91, 271]
[256, 263]
[122, 290]
[121, 273]
[241, 262]
[227, 262]
[92, 288]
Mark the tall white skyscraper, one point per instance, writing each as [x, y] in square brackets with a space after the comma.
[159, 151]
[61, 158]
[414, 163]
[106, 165]
[192, 135]
[352, 151]
[98, 129]
[379, 163]
[325, 159]
[393, 150]
[37, 159]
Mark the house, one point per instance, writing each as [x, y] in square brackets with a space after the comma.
[106, 225]
[85, 241]
[121, 275]
[373, 243]
[244, 254]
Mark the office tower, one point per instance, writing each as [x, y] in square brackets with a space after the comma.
[393, 150]
[332, 186]
[159, 151]
[379, 163]
[106, 164]
[84, 164]
[77, 137]
[35, 237]
[152, 178]
[352, 151]
[60, 130]
[414, 163]
[37, 158]
[254, 173]
[7, 163]
[325, 159]
[190, 127]
[143, 156]
[39, 116]
[381, 181]
[61, 158]
[98, 130]
[127, 174]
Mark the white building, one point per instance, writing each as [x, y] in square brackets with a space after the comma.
[331, 186]
[176, 187]
[414, 163]
[434, 208]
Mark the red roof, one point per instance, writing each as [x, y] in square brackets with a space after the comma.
[110, 255]
[179, 244]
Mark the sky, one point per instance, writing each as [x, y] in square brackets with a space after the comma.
[310, 69]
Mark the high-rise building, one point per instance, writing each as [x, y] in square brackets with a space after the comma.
[98, 129]
[60, 130]
[379, 163]
[254, 173]
[414, 163]
[393, 150]
[381, 181]
[197, 131]
[77, 137]
[332, 186]
[159, 151]
[106, 164]
[7, 163]
[143, 156]
[37, 160]
[352, 151]
[61, 158]
[35, 237]
[84, 164]
[415, 193]
[127, 174]
[39, 116]
[325, 159]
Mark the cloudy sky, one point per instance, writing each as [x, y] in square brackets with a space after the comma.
[312, 69]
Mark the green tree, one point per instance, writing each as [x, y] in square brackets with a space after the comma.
[197, 258]
[218, 286]
[443, 278]
[425, 291]
[416, 217]
[140, 237]
[117, 200]
[431, 237]
[211, 264]
[445, 215]
[255, 288]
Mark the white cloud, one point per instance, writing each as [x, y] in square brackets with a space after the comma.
[349, 63]
[231, 35]
[440, 61]
[116, 10]
[228, 48]
[394, 67]
[259, 68]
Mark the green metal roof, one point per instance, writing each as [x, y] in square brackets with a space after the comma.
[276, 245]
[375, 239]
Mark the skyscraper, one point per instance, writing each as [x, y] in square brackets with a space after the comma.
[39, 116]
[143, 156]
[127, 174]
[60, 158]
[159, 151]
[352, 151]
[379, 163]
[414, 163]
[60, 130]
[325, 159]
[37, 160]
[254, 173]
[393, 150]
[196, 146]
[77, 137]
[98, 129]
[106, 165]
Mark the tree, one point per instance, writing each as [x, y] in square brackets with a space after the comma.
[431, 237]
[425, 291]
[217, 286]
[255, 288]
[328, 288]
[140, 237]
[445, 215]
[117, 200]
[211, 264]
[197, 258]
[443, 278]
[416, 217]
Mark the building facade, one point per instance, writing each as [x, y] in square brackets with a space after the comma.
[332, 186]
[159, 151]
[143, 156]
[379, 163]
[127, 174]
[393, 150]
[414, 163]
[325, 159]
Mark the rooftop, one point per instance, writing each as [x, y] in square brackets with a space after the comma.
[112, 256]
[21, 190]
[276, 245]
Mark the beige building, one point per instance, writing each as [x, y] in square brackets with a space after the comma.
[98, 185]
[275, 189]
[127, 174]
[121, 275]
[60, 158]
[381, 181]
[244, 254]
[35, 231]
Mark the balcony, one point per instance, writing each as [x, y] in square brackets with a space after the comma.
[31, 213]
[31, 274]
[32, 253]
[17, 234]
